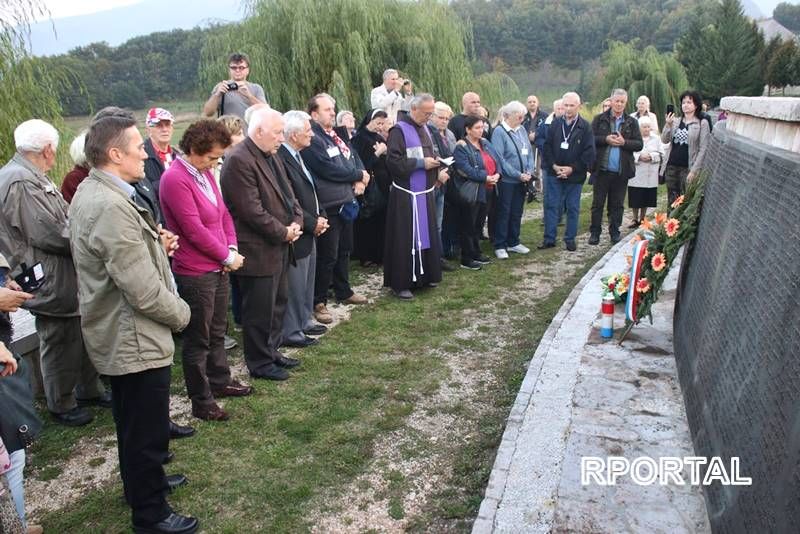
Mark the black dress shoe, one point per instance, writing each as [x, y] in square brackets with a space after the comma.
[288, 363]
[273, 372]
[446, 267]
[316, 330]
[571, 246]
[616, 238]
[594, 240]
[483, 260]
[545, 245]
[103, 401]
[177, 431]
[176, 481]
[472, 265]
[173, 524]
[168, 458]
[305, 342]
[75, 417]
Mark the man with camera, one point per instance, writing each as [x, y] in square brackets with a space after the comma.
[234, 96]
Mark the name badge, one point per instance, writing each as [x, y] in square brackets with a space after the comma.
[415, 153]
[564, 145]
[333, 151]
[524, 151]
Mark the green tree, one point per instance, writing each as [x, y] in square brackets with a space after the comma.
[298, 48]
[659, 76]
[781, 70]
[27, 89]
[788, 15]
[723, 58]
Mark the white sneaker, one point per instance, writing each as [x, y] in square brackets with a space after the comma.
[501, 254]
[519, 249]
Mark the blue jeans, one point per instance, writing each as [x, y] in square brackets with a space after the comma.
[557, 194]
[508, 214]
[15, 479]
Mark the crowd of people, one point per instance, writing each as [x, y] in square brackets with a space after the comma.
[146, 239]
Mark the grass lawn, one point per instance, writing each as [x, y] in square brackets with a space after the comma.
[294, 452]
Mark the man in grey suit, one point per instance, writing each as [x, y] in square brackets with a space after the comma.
[297, 323]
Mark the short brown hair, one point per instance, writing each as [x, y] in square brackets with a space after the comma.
[238, 57]
[106, 131]
[313, 103]
[201, 137]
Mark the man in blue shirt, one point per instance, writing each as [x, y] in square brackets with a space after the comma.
[617, 137]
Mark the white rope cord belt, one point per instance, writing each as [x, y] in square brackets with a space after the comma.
[415, 231]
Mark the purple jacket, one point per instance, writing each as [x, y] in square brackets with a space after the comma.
[206, 231]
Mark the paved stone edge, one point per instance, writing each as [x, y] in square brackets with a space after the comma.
[484, 523]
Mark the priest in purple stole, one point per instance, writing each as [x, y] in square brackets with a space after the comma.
[412, 247]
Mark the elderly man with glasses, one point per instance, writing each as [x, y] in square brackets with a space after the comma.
[235, 95]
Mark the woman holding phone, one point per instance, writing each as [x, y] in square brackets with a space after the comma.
[687, 139]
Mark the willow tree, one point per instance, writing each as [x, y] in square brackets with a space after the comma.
[27, 89]
[298, 48]
[659, 76]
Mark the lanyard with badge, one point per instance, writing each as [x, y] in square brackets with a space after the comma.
[565, 142]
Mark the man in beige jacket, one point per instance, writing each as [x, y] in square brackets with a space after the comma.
[129, 309]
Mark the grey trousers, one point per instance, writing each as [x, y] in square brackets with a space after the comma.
[66, 368]
[301, 297]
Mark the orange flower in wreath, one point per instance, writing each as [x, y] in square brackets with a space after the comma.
[645, 224]
[671, 227]
[658, 262]
[623, 283]
[678, 201]
[660, 218]
[643, 285]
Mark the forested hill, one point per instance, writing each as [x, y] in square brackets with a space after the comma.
[569, 32]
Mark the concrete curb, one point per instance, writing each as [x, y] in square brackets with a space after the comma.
[485, 522]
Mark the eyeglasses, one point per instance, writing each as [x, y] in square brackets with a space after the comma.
[238, 67]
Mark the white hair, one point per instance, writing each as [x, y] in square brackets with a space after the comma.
[248, 113]
[258, 117]
[35, 135]
[389, 72]
[341, 115]
[571, 94]
[419, 99]
[645, 121]
[513, 108]
[644, 98]
[442, 107]
[76, 149]
[294, 121]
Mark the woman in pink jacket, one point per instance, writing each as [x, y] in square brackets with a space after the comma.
[194, 210]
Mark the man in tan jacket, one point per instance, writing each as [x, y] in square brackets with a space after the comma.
[129, 309]
[33, 229]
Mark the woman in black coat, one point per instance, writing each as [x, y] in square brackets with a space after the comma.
[370, 227]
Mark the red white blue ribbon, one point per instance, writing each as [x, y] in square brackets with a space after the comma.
[639, 251]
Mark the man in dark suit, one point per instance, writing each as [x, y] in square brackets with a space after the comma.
[297, 324]
[268, 220]
[340, 177]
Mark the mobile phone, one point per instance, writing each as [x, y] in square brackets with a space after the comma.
[670, 109]
[31, 278]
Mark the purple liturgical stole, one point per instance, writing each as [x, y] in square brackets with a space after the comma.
[418, 182]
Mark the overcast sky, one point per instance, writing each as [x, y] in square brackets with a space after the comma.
[60, 8]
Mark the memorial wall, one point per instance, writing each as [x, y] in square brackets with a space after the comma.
[737, 332]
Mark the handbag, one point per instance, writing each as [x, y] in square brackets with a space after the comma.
[19, 422]
[349, 210]
[372, 202]
[466, 190]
